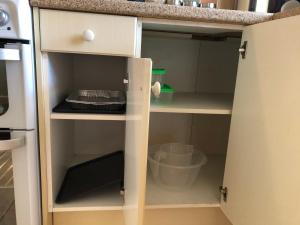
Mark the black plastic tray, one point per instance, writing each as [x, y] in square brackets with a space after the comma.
[66, 107]
[92, 175]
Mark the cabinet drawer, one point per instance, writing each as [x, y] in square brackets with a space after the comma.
[107, 217]
[64, 32]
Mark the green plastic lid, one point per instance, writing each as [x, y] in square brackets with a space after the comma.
[159, 72]
[165, 88]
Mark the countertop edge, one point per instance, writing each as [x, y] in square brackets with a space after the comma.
[158, 11]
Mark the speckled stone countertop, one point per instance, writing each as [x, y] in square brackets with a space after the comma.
[152, 10]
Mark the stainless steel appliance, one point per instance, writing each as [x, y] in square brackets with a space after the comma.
[19, 170]
[257, 5]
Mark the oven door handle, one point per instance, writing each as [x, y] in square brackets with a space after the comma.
[7, 145]
[9, 54]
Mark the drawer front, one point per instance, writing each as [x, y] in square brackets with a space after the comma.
[88, 33]
[105, 217]
[186, 216]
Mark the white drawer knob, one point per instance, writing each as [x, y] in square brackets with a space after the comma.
[88, 35]
[156, 89]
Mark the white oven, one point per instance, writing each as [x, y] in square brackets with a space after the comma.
[17, 86]
[19, 167]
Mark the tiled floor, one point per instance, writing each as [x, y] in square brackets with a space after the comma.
[10, 217]
[7, 206]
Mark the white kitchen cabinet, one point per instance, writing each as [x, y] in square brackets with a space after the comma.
[242, 112]
[262, 159]
[203, 74]
[263, 156]
[71, 139]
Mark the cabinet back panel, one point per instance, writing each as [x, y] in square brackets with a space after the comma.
[99, 72]
[178, 56]
[91, 137]
[218, 62]
[208, 133]
[194, 65]
[168, 127]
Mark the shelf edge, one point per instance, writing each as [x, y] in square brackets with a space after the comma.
[177, 206]
[191, 111]
[87, 208]
[79, 116]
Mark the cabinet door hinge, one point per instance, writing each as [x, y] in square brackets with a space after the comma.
[224, 193]
[122, 191]
[126, 82]
[243, 49]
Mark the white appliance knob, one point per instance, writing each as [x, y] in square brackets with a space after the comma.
[88, 35]
[156, 89]
[4, 17]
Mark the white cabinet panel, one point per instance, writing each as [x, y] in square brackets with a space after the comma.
[136, 143]
[263, 160]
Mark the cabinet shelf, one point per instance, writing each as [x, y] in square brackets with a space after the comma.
[105, 199]
[196, 103]
[83, 116]
[108, 199]
[204, 193]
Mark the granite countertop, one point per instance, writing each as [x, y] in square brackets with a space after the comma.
[152, 10]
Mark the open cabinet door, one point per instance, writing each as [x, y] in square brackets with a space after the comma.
[262, 171]
[136, 142]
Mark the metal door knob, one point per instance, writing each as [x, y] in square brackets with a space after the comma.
[4, 17]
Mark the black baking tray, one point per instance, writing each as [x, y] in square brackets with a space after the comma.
[97, 100]
[92, 175]
[67, 107]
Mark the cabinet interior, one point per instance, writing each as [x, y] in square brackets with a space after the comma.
[76, 138]
[70, 72]
[74, 142]
[203, 74]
